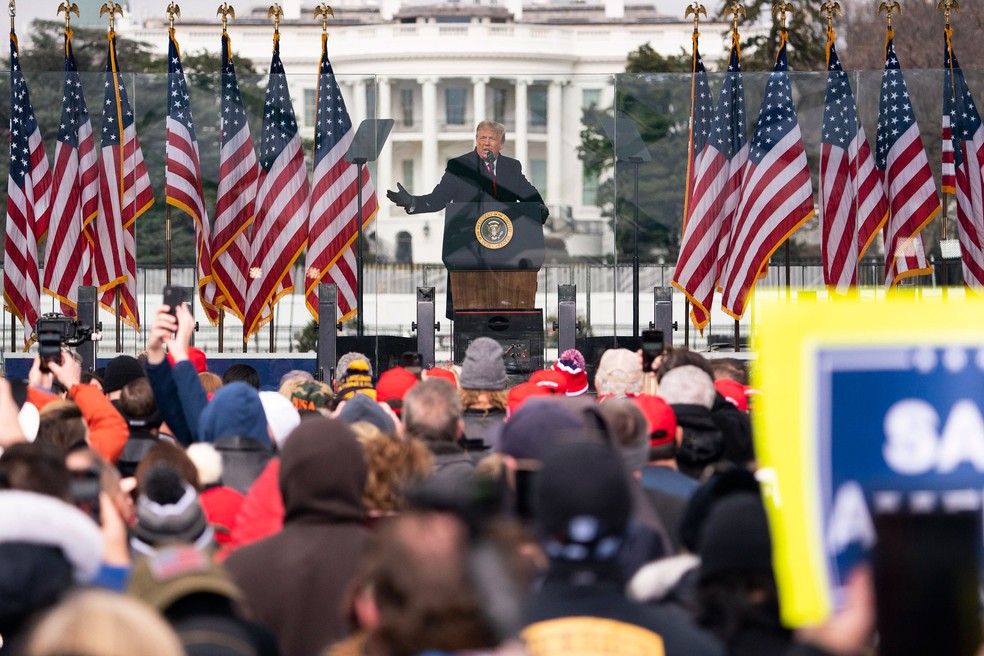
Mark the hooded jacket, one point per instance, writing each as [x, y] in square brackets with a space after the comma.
[295, 581]
[234, 420]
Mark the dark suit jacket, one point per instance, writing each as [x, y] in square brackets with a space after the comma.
[467, 180]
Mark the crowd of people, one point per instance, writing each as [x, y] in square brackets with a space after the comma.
[157, 508]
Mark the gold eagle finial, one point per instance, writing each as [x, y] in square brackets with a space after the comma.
[68, 8]
[226, 11]
[947, 6]
[111, 8]
[276, 12]
[828, 10]
[780, 9]
[890, 7]
[324, 11]
[696, 9]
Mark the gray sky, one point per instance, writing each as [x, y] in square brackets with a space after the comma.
[677, 7]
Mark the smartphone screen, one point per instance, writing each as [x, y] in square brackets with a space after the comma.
[85, 488]
[173, 297]
[652, 347]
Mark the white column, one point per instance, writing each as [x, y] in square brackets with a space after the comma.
[358, 113]
[478, 98]
[520, 144]
[429, 163]
[384, 109]
[554, 141]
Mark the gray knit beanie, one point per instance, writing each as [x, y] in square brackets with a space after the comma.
[483, 368]
[168, 511]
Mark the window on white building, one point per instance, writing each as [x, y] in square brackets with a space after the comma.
[538, 107]
[538, 175]
[408, 173]
[499, 97]
[590, 98]
[589, 188]
[310, 99]
[454, 98]
[406, 107]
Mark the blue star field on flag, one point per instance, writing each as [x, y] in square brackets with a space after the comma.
[22, 120]
[333, 120]
[895, 113]
[777, 115]
[840, 119]
[279, 123]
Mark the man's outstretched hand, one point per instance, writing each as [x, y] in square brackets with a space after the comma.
[401, 197]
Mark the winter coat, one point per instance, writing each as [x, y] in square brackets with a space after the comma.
[295, 581]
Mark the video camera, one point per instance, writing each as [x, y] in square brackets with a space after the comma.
[54, 330]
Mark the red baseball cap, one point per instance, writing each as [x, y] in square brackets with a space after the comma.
[550, 379]
[733, 392]
[660, 417]
[196, 357]
[440, 372]
[393, 385]
[519, 394]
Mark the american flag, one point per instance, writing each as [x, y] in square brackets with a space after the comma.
[904, 167]
[852, 197]
[280, 227]
[28, 202]
[776, 192]
[332, 228]
[183, 181]
[714, 201]
[124, 194]
[963, 137]
[234, 203]
[75, 200]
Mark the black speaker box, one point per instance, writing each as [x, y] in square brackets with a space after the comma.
[383, 351]
[519, 332]
[593, 347]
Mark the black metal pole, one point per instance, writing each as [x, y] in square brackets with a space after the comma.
[943, 219]
[167, 243]
[686, 322]
[737, 337]
[635, 250]
[359, 261]
[13, 332]
[787, 270]
[221, 329]
[119, 322]
[273, 345]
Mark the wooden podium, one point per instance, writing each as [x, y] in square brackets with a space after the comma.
[493, 252]
[494, 289]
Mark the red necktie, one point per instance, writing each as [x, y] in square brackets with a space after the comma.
[488, 165]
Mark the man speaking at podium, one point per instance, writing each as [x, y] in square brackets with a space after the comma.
[479, 175]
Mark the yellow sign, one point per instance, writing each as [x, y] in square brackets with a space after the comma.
[836, 379]
[493, 230]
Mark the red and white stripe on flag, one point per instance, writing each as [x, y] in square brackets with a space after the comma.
[281, 221]
[333, 223]
[75, 199]
[234, 203]
[28, 203]
[776, 193]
